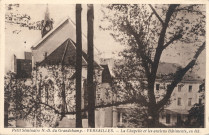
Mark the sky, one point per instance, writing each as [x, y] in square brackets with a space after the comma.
[17, 43]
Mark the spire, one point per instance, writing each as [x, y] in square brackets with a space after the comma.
[46, 18]
[47, 23]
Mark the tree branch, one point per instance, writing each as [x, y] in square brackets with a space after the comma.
[145, 58]
[161, 40]
[154, 11]
[190, 9]
[179, 75]
[106, 105]
[51, 107]
[132, 100]
[137, 96]
[176, 37]
[159, 49]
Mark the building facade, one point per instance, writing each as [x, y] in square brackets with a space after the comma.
[54, 59]
[183, 97]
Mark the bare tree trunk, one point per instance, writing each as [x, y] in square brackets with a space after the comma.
[90, 68]
[78, 65]
[153, 111]
[153, 116]
[6, 106]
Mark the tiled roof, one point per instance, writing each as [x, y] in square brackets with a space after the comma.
[166, 71]
[65, 54]
[167, 68]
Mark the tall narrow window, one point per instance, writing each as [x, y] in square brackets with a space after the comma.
[179, 88]
[157, 86]
[190, 88]
[168, 118]
[178, 119]
[189, 101]
[179, 101]
[118, 116]
[124, 118]
[200, 87]
[200, 100]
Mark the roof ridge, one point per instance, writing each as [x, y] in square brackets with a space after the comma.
[54, 29]
[48, 34]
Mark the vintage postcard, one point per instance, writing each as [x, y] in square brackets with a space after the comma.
[104, 67]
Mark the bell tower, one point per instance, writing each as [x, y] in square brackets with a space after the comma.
[47, 23]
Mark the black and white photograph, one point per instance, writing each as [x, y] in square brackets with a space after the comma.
[124, 65]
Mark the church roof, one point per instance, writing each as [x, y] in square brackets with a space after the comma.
[54, 41]
[67, 55]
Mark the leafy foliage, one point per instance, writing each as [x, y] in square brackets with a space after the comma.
[196, 116]
[197, 112]
[49, 95]
[147, 31]
[41, 96]
[133, 119]
[22, 20]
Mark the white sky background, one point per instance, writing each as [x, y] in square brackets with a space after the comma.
[18, 43]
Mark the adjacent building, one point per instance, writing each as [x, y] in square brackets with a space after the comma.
[23, 67]
[184, 96]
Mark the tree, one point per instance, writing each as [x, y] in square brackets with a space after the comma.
[90, 66]
[148, 32]
[133, 119]
[78, 65]
[40, 100]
